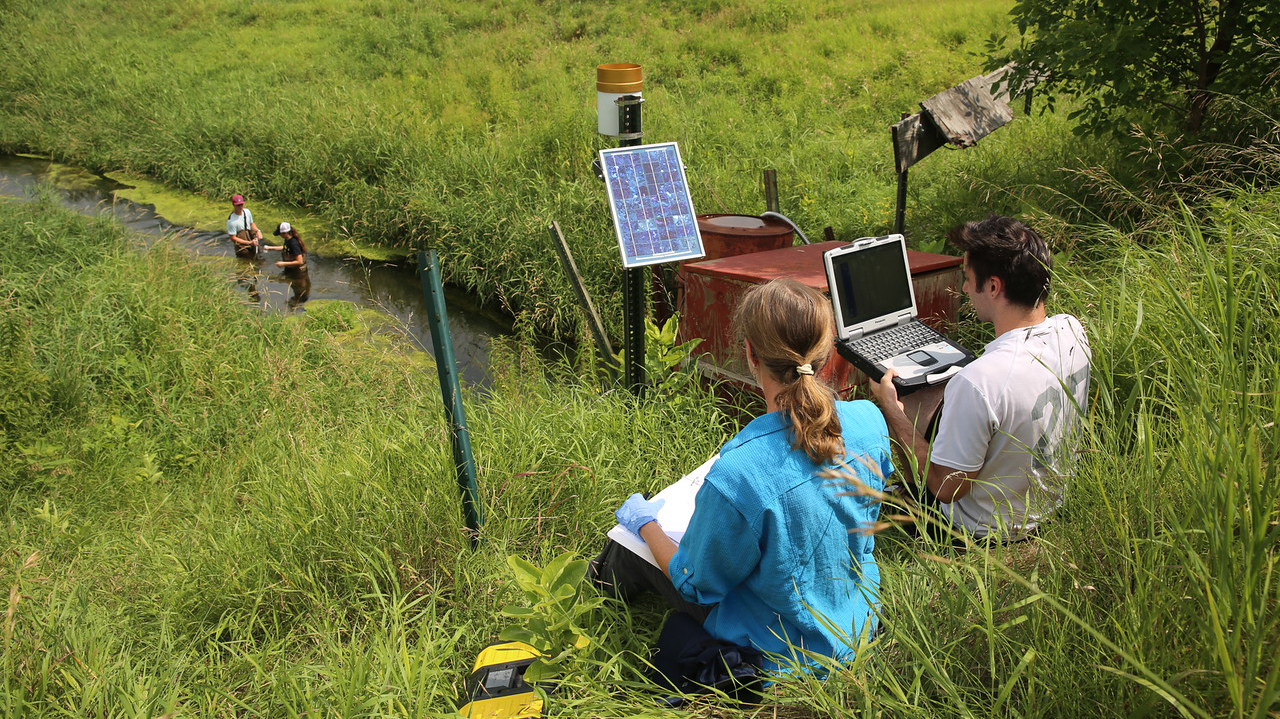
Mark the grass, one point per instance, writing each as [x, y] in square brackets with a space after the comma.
[237, 507]
[214, 512]
[470, 127]
[208, 511]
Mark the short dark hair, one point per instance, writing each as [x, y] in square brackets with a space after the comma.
[1006, 248]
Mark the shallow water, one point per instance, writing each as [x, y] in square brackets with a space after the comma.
[387, 287]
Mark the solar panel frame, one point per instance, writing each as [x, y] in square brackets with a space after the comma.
[649, 195]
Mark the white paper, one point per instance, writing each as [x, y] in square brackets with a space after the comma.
[674, 514]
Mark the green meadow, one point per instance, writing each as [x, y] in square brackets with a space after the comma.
[469, 127]
[208, 511]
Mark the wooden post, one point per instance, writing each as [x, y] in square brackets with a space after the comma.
[584, 299]
[900, 209]
[771, 191]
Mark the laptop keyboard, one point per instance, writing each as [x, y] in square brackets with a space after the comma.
[892, 342]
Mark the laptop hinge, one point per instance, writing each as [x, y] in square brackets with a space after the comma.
[903, 318]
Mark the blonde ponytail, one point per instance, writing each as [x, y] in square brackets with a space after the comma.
[790, 329]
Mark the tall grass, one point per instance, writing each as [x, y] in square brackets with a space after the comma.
[217, 512]
[209, 511]
[1157, 590]
[470, 126]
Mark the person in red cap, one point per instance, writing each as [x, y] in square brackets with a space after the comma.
[245, 235]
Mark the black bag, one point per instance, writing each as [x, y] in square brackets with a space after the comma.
[689, 660]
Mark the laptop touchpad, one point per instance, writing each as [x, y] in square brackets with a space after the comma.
[922, 358]
[925, 360]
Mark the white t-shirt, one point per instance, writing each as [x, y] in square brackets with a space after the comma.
[1011, 417]
[235, 222]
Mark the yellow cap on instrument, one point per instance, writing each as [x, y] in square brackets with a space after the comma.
[618, 77]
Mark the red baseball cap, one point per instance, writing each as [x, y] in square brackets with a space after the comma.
[237, 199]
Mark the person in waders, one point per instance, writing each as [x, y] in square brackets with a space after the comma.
[293, 261]
[245, 235]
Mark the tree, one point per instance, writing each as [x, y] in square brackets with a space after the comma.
[1165, 59]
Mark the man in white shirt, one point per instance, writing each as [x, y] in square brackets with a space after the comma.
[1001, 457]
[246, 238]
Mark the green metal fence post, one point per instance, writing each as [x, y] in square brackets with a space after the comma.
[450, 391]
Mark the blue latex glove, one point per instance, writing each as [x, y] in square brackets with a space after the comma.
[637, 512]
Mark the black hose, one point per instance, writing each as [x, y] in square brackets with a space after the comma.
[794, 226]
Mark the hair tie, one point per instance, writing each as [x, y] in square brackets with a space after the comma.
[804, 369]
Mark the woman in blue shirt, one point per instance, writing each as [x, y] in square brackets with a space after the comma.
[773, 549]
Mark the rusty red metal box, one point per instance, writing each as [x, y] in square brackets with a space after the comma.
[711, 289]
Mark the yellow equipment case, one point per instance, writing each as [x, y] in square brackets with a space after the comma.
[496, 686]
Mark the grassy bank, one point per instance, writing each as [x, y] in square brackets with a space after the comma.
[469, 127]
[216, 510]
[212, 512]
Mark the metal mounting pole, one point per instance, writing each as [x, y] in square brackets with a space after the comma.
[900, 212]
[450, 390]
[634, 293]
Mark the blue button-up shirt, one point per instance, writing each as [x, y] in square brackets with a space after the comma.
[770, 542]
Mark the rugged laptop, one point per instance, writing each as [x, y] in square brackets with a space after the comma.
[876, 324]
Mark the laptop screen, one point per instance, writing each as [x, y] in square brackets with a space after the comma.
[872, 282]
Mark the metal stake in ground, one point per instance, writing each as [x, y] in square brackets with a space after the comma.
[634, 291]
[450, 390]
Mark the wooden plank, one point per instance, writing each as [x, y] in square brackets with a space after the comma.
[584, 298]
[1007, 93]
[1003, 94]
[967, 112]
[913, 139]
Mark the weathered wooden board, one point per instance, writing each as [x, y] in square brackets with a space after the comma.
[967, 112]
[1006, 92]
[913, 139]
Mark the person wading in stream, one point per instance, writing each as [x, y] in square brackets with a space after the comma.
[245, 235]
[291, 248]
[293, 262]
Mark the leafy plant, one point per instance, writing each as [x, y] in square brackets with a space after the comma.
[1168, 59]
[666, 364]
[552, 624]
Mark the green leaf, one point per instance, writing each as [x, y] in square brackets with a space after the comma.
[551, 575]
[570, 577]
[514, 611]
[525, 573]
[541, 670]
[519, 634]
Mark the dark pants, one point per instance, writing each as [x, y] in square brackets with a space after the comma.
[621, 574]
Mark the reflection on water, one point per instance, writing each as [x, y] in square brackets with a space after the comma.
[300, 286]
[386, 287]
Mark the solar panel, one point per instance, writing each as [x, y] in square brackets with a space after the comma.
[649, 199]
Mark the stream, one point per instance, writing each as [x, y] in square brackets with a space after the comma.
[387, 287]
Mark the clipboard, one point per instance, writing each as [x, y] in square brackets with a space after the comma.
[674, 515]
